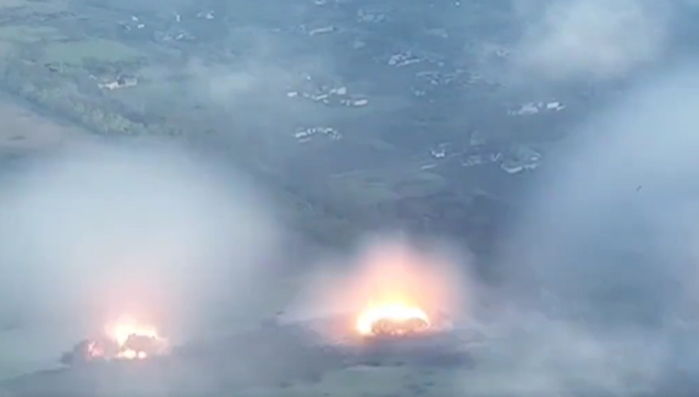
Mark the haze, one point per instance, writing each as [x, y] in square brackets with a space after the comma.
[245, 177]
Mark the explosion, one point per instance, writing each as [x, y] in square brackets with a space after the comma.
[123, 330]
[136, 342]
[94, 350]
[392, 319]
[125, 340]
[394, 291]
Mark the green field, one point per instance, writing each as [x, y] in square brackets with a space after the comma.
[376, 186]
[371, 382]
[100, 50]
[26, 34]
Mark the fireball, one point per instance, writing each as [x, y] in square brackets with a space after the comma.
[395, 319]
[390, 290]
[121, 331]
[397, 291]
[123, 340]
[129, 354]
[136, 341]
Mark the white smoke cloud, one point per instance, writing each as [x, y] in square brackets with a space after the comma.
[602, 273]
[430, 275]
[109, 231]
[597, 39]
[536, 355]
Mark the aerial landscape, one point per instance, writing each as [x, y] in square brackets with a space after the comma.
[349, 198]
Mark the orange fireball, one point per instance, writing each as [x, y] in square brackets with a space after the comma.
[124, 328]
[394, 319]
[393, 290]
[136, 341]
[125, 339]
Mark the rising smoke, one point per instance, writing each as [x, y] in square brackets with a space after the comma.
[590, 39]
[603, 268]
[599, 293]
[599, 279]
[388, 270]
[103, 231]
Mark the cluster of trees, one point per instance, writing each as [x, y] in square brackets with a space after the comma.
[58, 90]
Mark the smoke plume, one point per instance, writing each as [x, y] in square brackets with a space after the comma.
[591, 39]
[601, 275]
[102, 231]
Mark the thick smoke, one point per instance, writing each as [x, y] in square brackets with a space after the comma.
[107, 231]
[388, 271]
[590, 39]
[603, 268]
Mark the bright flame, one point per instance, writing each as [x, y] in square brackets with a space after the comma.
[391, 289]
[127, 354]
[130, 354]
[121, 331]
[397, 313]
[136, 341]
[94, 350]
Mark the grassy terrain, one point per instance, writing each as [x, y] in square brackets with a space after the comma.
[25, 34]
[101, 50]
[35, 6]
[371, 187]
[371, 382]
[20, 9]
